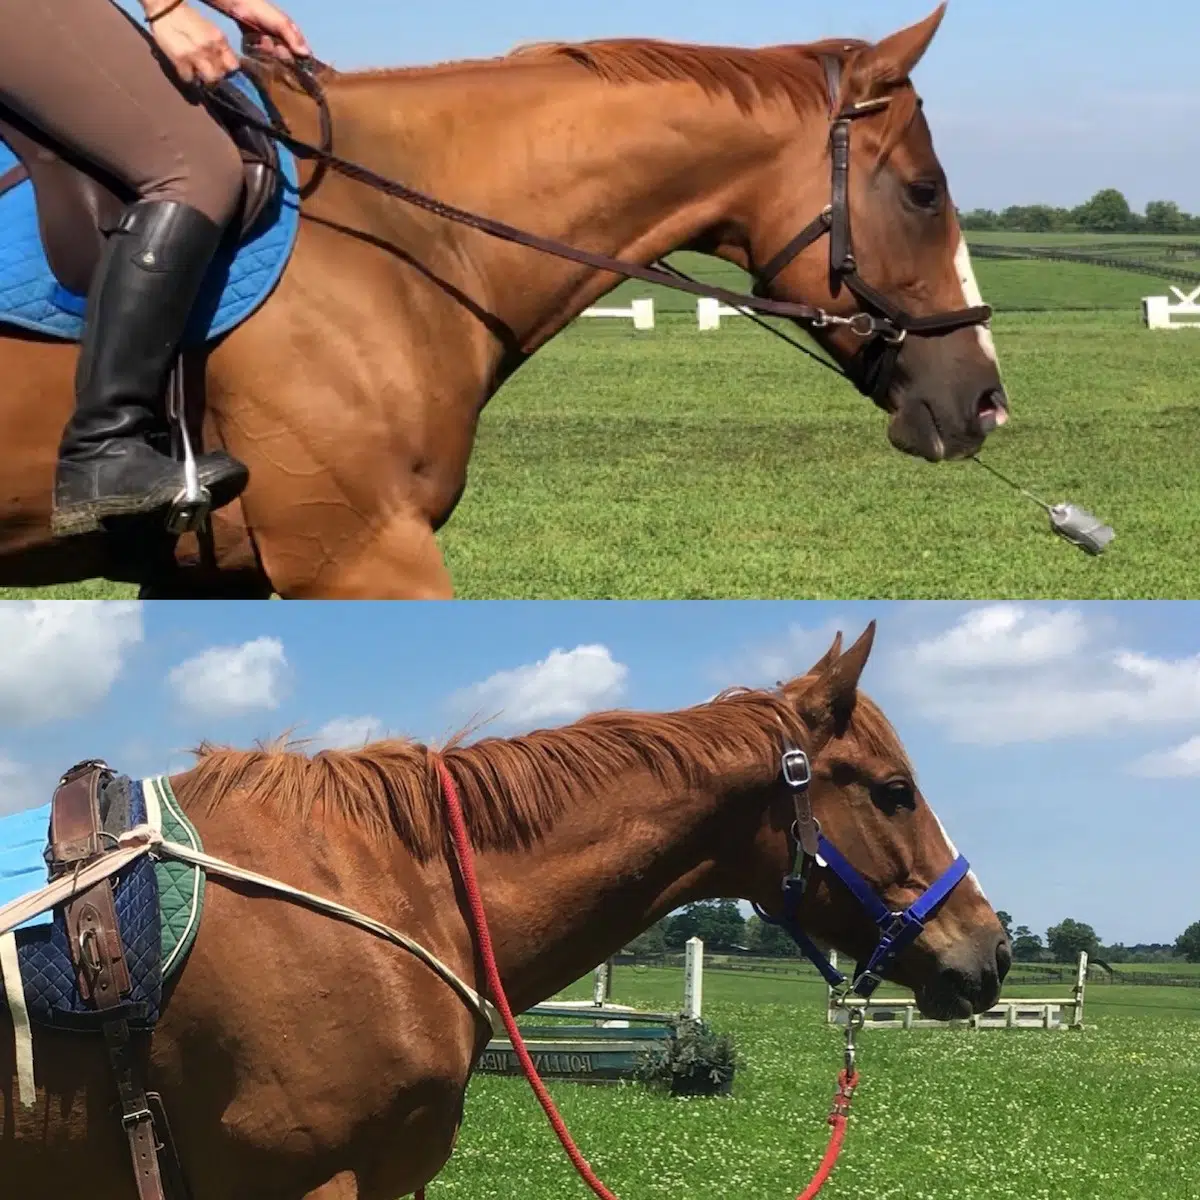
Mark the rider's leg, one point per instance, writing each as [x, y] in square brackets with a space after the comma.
[88, 77]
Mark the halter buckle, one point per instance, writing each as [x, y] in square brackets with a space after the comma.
[797, 771]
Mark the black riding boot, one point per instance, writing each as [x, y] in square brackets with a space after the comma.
[138, 307]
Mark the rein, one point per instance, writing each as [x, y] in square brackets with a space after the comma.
[880, 324]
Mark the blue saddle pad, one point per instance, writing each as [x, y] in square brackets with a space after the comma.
[237, 284]
[23, 866]
[44, 952]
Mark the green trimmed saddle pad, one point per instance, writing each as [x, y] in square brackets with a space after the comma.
[180, 885]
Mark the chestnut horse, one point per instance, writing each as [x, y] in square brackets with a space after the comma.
[300, 1057]
[354, 394]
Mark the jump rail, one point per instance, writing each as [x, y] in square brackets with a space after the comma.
[891, 1012]
[609, 1047]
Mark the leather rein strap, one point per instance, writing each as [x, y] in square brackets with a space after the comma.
[883, 321]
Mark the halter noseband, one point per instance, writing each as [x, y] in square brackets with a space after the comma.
[882, 325]
[897, 929]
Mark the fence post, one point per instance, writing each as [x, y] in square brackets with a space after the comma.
[693, 979]
[708, 313]
[1080, 984]
[600, 984]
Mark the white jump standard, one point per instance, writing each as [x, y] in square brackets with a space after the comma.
[1159, 313]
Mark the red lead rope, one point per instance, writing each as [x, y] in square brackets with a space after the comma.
[466, 867]
[837, 1118]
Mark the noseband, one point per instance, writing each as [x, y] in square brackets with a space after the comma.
[897, 928]
[882, 324]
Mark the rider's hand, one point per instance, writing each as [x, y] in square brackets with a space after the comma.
[265, 29]
[196, 48]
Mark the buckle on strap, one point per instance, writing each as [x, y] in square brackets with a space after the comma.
[132, 1119]
[797, 771]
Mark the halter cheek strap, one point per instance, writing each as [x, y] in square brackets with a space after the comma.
[897, 928]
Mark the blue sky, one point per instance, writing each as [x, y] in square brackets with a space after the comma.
[1059, 743]
[1028, 101]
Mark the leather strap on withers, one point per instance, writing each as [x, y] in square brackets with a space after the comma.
[897, 928]
[94, 935]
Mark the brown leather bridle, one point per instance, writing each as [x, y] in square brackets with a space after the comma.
[882, 325]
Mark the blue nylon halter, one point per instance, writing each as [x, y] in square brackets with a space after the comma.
[897, 929]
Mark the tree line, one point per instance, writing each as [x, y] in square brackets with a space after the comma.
[723, 929]
[1108, 211]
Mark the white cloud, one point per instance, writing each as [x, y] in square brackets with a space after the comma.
[17, 787]
[562, 686]
[346, 733]
[1004, 635]
[1009, 673]
[1182, 762]
[61, 657]
[227, 681]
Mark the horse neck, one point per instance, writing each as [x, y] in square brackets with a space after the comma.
[613, 863]
[634, 170]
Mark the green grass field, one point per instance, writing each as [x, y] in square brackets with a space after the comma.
[1112, 1112]
[677, 464]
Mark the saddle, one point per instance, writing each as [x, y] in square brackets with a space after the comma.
[78, 205]
[103, 977]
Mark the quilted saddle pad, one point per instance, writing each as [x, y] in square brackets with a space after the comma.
[158, 908]
[236, 286]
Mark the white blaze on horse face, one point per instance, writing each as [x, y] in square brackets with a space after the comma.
[970, 876]
[972, 296]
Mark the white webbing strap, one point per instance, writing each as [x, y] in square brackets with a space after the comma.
[145, 840]
[14, 993]
[131, 846]
[217, 866]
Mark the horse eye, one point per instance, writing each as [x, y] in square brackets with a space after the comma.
[925, 194]
[899, 791]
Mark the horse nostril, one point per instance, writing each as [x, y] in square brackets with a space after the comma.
[1003, 958]
[991, 410]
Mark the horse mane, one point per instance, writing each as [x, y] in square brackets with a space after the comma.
[511, 789]
[746, 74]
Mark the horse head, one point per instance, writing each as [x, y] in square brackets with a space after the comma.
[911, 330]
[871, 813]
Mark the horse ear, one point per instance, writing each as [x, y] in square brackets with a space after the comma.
[832, 698]
[889, 63]
[824, 662]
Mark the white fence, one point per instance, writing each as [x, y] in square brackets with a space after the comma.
[640, 312]
[1019, 1013]
[709, 313]
[1159, 313]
